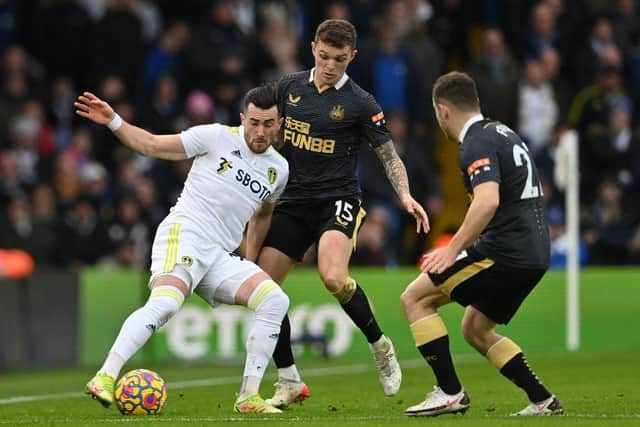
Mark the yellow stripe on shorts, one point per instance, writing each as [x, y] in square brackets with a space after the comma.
[470, 270]
[361, 214]
[171, 258]
[167, 291]
[265, 289]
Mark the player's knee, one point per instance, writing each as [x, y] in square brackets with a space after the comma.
[333, 282]
[163, 303]
[407, 300]
[343, 291]
[269, 301]
[279, 302]
[474, 334]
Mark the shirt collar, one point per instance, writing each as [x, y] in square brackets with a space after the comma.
[339, 84]
[478, 117]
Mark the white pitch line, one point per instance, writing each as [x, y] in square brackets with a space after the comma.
[334, 419]
[208, 382]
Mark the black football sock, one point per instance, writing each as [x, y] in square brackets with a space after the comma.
[360, 312]
[518, 371]
[432, 341]
[283, 355]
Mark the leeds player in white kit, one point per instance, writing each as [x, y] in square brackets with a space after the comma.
[235, 179]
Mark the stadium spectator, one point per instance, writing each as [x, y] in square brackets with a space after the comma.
[497, 74]
[167, 56]
[118, 38]
[129, 226]
[598, 48]
[551, 64]
[11, 182]
[20, 230]
[560, 241]
[608, 225]
[389, 69]
[537, 108]
[544, 32]
[84, 233]
[218, 56]
[160, 113]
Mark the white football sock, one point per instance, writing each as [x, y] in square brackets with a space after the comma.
[270, 305]
[289, 374]
[163, 303]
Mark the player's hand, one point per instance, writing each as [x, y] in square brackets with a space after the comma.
[438, 260]
[93, 108]
[414, 208]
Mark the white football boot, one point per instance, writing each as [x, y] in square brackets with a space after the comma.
[438, 402]
[389, 372]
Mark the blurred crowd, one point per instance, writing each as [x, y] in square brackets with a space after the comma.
[71, 194]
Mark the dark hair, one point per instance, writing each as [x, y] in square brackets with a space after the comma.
[263, 97]
[337, 33]
[458, 89]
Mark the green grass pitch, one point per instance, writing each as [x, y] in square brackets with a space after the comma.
[599, 386]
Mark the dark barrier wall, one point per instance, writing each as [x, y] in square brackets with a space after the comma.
[39, 321]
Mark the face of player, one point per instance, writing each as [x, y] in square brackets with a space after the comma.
[261, 127]
[331, 62]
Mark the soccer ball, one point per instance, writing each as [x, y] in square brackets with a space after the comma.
[140, 392]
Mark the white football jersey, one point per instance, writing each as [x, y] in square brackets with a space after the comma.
[227, 183]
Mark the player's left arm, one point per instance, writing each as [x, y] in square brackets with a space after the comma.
[397, 175]
[257, 230]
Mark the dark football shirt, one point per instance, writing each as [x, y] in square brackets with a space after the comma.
[322, 133]
[518, 234]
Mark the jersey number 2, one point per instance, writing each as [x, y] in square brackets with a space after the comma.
[531, 189]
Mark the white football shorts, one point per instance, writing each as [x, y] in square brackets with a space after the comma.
[210, 271]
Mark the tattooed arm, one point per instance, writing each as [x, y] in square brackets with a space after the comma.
[397, 176]
[393, 166]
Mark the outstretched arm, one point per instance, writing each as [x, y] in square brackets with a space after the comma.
[397, 175]
[166, 147]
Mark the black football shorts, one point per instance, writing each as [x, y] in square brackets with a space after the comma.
[296, 225]
[495, 290]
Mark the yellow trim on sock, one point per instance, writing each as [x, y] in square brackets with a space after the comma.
[344, 295]
[261, 292]
[502, 352]
[167, 291]
[172, 250]
[428, 329]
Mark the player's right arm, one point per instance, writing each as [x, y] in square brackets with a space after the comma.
[257, 230]
[166, 147]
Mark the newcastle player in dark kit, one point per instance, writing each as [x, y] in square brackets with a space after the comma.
[327, 117]
[492, 263]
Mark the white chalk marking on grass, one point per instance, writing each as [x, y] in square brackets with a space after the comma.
[38, 397]
[279, 418]
[207, 382]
